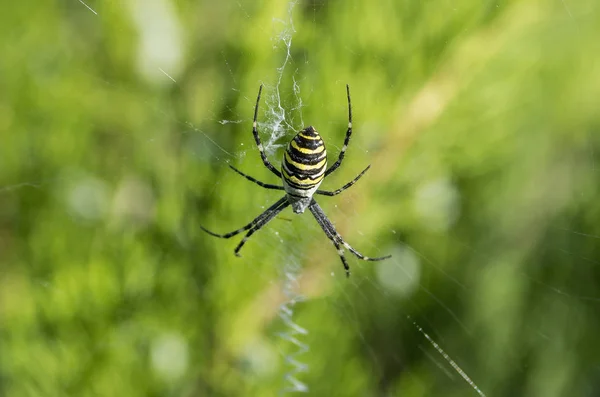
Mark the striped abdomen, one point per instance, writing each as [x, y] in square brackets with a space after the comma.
[304, 164]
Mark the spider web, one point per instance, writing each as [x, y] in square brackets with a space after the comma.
[283, 318]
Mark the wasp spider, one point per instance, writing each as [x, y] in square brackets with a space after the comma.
[303, 169]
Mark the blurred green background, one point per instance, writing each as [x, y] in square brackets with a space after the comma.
[480, 120]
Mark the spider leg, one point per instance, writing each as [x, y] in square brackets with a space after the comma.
[267, 215]
[335, 237]
[340, 240]
[346, 186]
[340, 252]
[259, 183]
[361, 256]
[329, 231]
[262, 222]
[346, 140]
[259, 144]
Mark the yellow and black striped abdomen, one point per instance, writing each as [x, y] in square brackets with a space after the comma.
[304, 162]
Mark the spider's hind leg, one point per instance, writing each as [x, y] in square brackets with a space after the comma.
[361, 256]
[265, 217]
[337, 240]
[255, 225]
[340, 252]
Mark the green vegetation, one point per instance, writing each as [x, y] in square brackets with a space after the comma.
[480, 120]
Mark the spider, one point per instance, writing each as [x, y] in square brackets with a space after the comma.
[303, 169]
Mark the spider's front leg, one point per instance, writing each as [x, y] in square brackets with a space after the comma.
[259, 144]
[346, 140]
